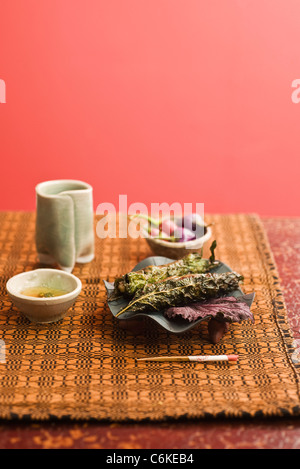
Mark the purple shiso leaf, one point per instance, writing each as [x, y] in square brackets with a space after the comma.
[227, 309]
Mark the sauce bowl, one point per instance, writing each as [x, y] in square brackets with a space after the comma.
[45, 309]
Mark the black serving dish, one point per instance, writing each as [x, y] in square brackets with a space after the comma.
[178, 325]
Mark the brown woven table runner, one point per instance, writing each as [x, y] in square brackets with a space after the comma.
[84, 366]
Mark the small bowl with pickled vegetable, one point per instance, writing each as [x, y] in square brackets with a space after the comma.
[175, 246]
[44, 295]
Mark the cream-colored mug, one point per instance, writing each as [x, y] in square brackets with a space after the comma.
[64, 223]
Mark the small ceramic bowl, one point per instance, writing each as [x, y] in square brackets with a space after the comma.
[44, 310]
[175, 250]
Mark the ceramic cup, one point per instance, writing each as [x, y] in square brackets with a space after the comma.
[64, 223]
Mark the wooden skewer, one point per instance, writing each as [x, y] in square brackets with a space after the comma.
[194, 358]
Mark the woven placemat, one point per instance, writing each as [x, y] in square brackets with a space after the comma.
[84, 366]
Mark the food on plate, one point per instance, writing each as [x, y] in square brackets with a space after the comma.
[188, 289]
[132, 282]
[229, 309]
[219, 311]
[180, 291]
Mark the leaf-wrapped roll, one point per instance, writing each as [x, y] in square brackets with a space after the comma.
[179, 291]
[132, 282]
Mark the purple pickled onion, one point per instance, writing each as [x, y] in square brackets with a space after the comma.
[169, 227]
[183, 234]
[194, 223]
[154, 232]
[157, 234]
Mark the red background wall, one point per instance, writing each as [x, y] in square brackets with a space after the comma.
[163, 100]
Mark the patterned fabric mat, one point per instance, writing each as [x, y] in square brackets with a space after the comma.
[84, 366]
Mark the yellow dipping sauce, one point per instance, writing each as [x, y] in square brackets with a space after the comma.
[42, 292]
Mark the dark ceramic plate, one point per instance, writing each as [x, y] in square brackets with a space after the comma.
[177, 325]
